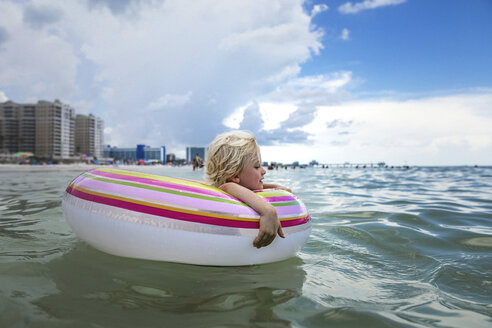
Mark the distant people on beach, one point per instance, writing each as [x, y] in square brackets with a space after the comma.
[234, 165]
[197, 162]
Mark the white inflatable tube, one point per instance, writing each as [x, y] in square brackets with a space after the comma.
[130, 214]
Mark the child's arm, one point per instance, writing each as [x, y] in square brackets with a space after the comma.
[276, 186]
[269, 222]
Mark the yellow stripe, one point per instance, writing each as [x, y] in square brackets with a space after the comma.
[174, 209]
[180, 210]
[161, 178]
[272, 193]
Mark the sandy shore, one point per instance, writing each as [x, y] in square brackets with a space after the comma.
[82, 167]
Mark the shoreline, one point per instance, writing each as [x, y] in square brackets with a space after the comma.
[85, 167]
[80, 167]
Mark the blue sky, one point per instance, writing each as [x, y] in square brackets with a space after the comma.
[417, 46]
[401, 81]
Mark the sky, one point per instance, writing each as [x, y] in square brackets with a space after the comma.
[362, 81]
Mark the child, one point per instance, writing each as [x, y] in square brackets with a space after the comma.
[234, 165]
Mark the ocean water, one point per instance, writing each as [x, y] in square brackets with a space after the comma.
[389, 248]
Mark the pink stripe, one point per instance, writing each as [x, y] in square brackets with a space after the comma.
[293, 210]
[280, 199]
[163, 212]
[161, 184]
[296, 222]
[177, 215]
[141, 193]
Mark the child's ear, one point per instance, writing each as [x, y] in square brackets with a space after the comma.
[235, 179]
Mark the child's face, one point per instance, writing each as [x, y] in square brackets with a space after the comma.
[251, 176]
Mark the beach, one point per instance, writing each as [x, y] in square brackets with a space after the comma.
[81, 167]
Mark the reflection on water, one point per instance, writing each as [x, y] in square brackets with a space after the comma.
[129, 289]
[389, 248]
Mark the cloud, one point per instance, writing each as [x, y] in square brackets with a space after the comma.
[4, 35]
[300, 117]
[318, 9]
[283, 137]
[280, 116]
[318, 89]
[116, 6]
[287, 133]
[345, 34]
[228, 54]
[339, 123]
[329, 83]
[38, 16]
[349, 8]
[169, 100]
[3, 97]
[36, 63]
[157, 72]
[446, 130]
[452, 129]
[252, 119]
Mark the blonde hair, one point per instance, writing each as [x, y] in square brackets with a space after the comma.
[228, 154]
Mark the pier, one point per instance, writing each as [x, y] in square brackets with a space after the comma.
[352, 165]
[360, 165]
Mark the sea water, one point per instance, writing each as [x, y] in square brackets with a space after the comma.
[389, 248]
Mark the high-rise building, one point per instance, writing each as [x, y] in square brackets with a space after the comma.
[27, 128]
[192, 151]
[9, 127]
[45, 128]
[89, 135]
[17, 126]
[54, 130]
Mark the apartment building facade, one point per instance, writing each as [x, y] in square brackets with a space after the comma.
[45, 128]
[54, 126]
[17, 127]
[89, 135]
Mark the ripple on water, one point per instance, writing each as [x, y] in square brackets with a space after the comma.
[395, 248]
[478, 242]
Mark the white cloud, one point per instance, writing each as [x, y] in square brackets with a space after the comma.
[449, 130]
[345, 34]
[233, 121]
[3, 97]
[280, 116]
[36, 62]
[169, 100]
[318, 9]
[275, 113]
[445, 130]
[318, 89]
[189, 66]
[330, 83]
[287, 73]
[39, 16]
[349, 8]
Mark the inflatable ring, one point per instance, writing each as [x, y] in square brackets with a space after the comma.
[153, 217]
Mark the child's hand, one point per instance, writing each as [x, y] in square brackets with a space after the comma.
[269, 228]
[269, 222]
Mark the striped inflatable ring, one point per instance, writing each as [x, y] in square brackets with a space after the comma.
[148, 216]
